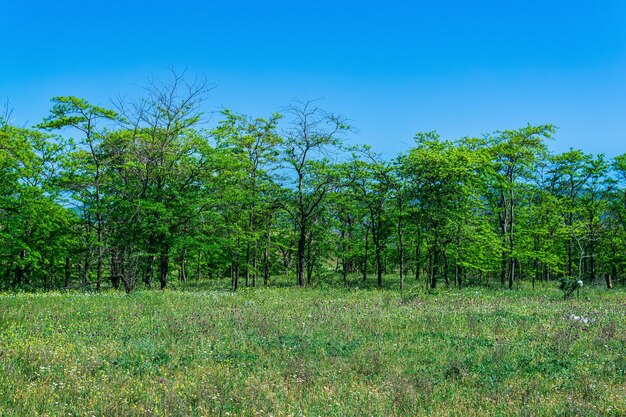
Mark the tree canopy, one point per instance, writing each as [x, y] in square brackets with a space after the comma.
[145, 190]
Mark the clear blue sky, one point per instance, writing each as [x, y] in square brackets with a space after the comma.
[392, 67]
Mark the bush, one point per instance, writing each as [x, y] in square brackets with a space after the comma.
[569, 286]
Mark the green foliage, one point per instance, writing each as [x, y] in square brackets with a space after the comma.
[570, 286]
[147, 191]
[35, 231]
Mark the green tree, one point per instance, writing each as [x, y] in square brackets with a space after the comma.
[371, 181]
[313, 135]
[84, 168]
[254, 142]
[568, 179]
[515, 155]
[442, 177]
[35, 231]
[158, 162]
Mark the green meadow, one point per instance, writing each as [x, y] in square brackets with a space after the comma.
[194, 351]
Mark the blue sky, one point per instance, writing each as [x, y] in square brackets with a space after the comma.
[392, 67]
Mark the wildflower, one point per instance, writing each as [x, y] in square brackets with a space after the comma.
[581, 319]
[579, 282]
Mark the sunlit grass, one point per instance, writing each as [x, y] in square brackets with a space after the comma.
[289, 351]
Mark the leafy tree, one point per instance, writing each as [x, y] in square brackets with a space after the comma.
[159, 160]
[371, 181]
[568, 180]
[441, 174]
[515, 155]
[35, 231]
[313, 135]
[254, 142]
[85, 168]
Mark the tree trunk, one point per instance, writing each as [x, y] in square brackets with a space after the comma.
[255, 262]
[310, 263]
[86, 268]
[19, 270]
[609, 282]
[115, 277]
[248, 254]
[100, 248]
[113, 267]
[446, 271]
[592, 261]
[365, 260]
[99, 266]
[401, 249]
[511, 232]
[379, 267]
[300, 268]
[570, 259]
[417, 261]
[163, 269]
[266, 258]
[67, 272]
[234, 271]
[344, 262]
[129, 278]
[199, 267]
[183, 268]
[511, 272]
[433, 260]
[504, 222]
[150, 273]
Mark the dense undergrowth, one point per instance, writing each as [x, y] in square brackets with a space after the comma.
[194, 351]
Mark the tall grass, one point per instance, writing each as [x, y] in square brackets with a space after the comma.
[330, 352]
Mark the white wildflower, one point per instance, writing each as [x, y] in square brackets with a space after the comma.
[581, 319]
[579, 282]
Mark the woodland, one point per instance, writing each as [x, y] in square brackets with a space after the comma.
[148, 191]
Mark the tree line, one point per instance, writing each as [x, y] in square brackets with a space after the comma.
[144, 193]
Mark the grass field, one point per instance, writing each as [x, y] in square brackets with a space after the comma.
[313, 352]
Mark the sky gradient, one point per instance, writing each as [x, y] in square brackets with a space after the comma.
[394, 67]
